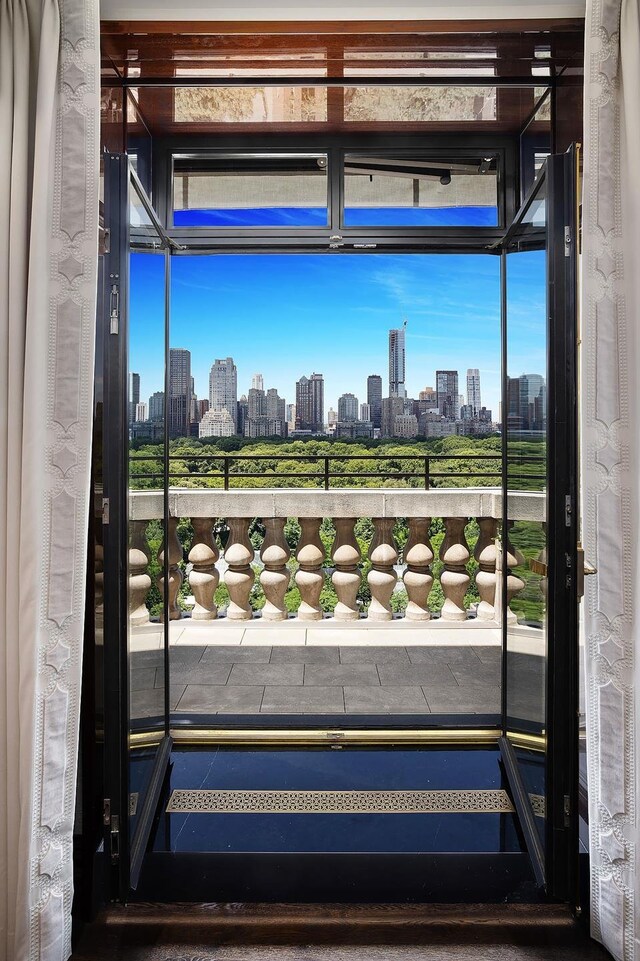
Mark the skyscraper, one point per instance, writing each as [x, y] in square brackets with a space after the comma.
[242, 408]
[374, 398]
[397, 362]
[179, 391]
[473, 390]
[257, 382]
[275, 405]
[347, 408]
[310, 403]
[257, 403]
[223, 388]
[447, 396]
[156, 407]
[134, 395]
[365, 412]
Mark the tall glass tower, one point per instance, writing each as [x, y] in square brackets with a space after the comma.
[397, 362]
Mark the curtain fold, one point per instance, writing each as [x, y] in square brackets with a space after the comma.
[611, 462]
[49, 130]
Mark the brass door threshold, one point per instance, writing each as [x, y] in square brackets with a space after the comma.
[352, 737]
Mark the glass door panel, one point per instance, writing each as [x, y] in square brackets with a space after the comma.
[145, 463]
[539, 519]
[525, 544]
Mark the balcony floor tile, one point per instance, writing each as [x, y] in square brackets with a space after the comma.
[339, 675]
[392, 675]
[381, 700]
[232, 653]
[274, 636]
[305, 655]
[205, 699]
[374, 655]
[305, 700]
[195, 674]
[275, 675]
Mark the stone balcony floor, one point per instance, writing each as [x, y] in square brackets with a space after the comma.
[250, 668]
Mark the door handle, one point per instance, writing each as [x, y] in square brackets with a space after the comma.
[584, 570]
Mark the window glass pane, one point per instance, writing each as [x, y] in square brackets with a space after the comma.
[420, 192]
[250, 190]
[419, 104]
[250, 104]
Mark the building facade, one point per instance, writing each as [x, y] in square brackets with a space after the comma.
[179, 391]
[473, 390]
[347, 408]
[397, 362]
[447, 396]
[223, 387]
[374, 398]
[310, 403]
[217, 423]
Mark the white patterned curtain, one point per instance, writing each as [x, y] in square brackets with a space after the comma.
[611, 462]
[49, 129]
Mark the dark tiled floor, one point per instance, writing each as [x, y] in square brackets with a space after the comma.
[298, 679]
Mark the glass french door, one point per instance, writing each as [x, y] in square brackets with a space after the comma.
[135, 331]
[539, 556]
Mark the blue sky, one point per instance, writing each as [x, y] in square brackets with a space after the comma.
[288, 315]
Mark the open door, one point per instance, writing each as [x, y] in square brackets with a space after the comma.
[540, 552]
[137, 741]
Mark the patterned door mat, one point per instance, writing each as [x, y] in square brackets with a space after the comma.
[493, 801]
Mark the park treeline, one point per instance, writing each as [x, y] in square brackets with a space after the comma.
[450, 462]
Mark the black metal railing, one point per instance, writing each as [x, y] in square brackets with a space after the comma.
[324, 475]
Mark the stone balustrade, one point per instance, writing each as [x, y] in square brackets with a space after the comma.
[238, 508]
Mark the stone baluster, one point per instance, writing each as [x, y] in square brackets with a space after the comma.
[139, 580]
[309, 577]
[382, 578]
[275, 576]
[175, 574]
[485, 553]
[239, 576]
[454, 554]
[515, 584]
[204, 576]
[418, 580]
[346, 576]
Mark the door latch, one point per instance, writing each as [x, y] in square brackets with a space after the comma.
[105, 510]
[114, 310]
[567, 241]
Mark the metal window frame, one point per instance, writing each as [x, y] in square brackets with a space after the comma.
[335, 236]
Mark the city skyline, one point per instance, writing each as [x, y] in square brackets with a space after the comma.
[336, 319]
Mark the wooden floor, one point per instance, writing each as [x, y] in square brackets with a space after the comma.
[276, 932]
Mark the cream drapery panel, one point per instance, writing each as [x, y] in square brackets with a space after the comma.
[49, 128]
[611, 462]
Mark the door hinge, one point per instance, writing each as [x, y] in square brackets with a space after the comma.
[566, 810]
[105, 510]
[104, 240]
[567, 241]
[112, 821]
[114, 310]
[114, 838]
